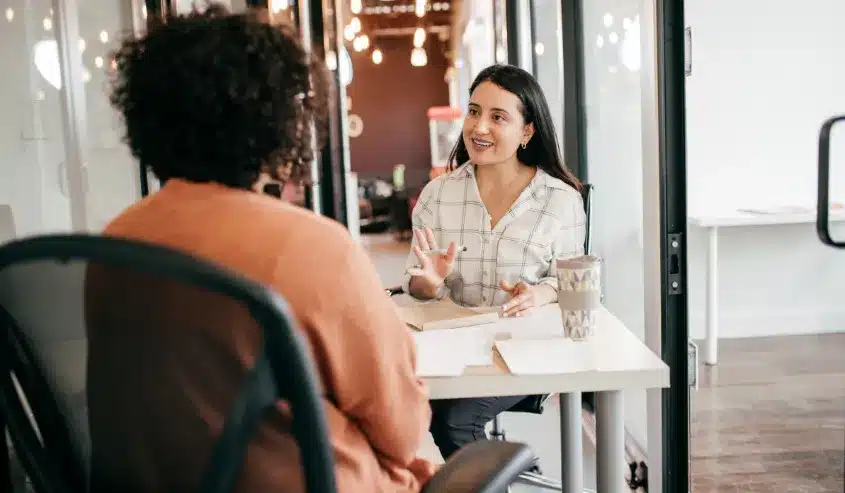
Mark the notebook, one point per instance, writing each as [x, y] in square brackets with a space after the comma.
[446, 353]
[443, 314]
[546, 356]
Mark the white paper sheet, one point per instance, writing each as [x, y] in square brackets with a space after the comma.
[447, 353]
[546, 356]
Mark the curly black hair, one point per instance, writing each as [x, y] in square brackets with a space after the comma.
[220, 97]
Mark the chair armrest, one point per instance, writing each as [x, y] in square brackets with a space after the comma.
[482, 467]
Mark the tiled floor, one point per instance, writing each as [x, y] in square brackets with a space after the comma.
[769, 418]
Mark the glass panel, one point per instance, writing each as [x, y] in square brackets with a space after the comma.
[612, 88]
[548, 53]
[33, 194]
[501, 32]
[113, 180]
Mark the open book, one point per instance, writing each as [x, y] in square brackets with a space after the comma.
[443, 314]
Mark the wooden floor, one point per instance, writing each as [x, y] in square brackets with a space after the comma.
[771, 417]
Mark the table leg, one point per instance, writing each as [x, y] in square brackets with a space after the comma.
[712, 343]
[610, 442]
[571, 450]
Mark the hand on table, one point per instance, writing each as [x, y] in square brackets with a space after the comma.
[525, 297]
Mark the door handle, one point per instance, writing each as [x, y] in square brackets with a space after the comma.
[823, 192]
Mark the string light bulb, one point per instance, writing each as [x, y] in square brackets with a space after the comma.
[418, 57]
[419, 37]
[419, 7]
[355, 6]
[378, 57]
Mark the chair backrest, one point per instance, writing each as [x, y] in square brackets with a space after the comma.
[587, 195]
[123, 358]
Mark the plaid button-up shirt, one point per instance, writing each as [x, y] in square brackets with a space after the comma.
[546, 222]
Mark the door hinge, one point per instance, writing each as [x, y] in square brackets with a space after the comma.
[676, 263]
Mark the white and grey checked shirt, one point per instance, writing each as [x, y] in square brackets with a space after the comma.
[547, 221]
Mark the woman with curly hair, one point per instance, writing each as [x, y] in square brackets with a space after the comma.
[218, 106]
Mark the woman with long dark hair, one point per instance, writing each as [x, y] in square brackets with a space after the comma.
[508, 208]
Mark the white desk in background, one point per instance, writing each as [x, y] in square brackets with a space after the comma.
[618, 361]
[731, 220]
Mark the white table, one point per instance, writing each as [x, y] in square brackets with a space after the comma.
[622, 361]
[735, 219]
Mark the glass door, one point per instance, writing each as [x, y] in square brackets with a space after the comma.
[624, 98]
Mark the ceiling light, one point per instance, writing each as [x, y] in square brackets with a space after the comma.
[419, 37]
[418, 57]
[377, 56]
[46, 55]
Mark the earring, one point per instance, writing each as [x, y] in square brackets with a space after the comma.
[524, 145]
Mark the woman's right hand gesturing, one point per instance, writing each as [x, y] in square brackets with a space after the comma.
[432, 268]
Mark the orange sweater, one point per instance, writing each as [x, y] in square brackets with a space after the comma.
[379, 409]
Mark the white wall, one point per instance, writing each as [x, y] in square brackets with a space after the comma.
[765, 74]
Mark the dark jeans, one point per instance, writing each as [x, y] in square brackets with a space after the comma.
[457, 422]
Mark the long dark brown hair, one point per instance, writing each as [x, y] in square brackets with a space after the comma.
[542, 150]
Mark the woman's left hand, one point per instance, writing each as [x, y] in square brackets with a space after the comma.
[524, 297]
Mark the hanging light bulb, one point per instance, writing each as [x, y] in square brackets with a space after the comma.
[10, 14]
[349, 32]
[356, 24]
[419, 37]
[355, 6]
[419, 7]
[418, 57]
[361, 43]
[377, 56]
[104, 37]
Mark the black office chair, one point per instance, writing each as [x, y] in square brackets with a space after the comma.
[58, 293]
